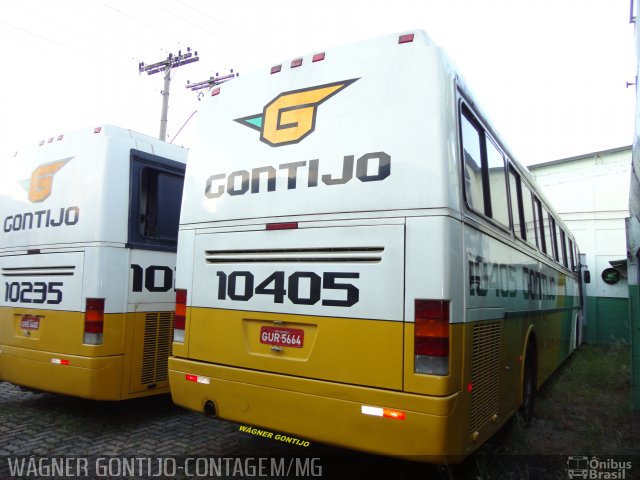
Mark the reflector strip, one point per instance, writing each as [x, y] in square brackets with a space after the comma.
[197, 379]
[382, 412]
[282, 226]
[59, 361]
[375, 411]
[398, 415]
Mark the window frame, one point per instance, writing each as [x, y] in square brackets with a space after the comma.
[467, 113]
[140, 163]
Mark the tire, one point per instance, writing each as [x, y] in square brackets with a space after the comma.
[528, 387]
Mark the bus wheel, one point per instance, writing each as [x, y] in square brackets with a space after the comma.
[528, 387]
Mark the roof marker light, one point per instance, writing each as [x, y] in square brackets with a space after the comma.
[97, 130]
[296, 62]
[276, 69]
[215, 91]
[408, 38]
[60, 137]
[318, 57]
[41, 143]
[50, 140]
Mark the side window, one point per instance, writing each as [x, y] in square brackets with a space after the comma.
[485, 180]
[154, 201]
[554, 239]
[529, 217]
[543, 244]
[547, 240]
[497, 185]
[516, 205]
[473, 184]
[563, 248]
[573, 259]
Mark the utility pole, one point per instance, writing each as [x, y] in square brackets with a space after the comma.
[172, 61]
[212, 82]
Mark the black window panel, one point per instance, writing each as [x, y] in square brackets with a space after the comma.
[155, 197]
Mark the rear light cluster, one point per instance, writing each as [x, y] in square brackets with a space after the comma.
[181, 316]
[94, 321]
[431, 337]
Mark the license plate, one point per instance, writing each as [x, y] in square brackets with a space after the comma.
[282, 337]
[30, 323]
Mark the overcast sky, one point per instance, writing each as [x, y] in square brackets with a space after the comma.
[550, 74]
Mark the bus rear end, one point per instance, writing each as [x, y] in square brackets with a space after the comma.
[85, 309]
[313, 295]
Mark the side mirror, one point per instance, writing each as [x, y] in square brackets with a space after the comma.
[587, 276]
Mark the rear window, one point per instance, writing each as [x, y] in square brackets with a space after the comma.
[155, 195]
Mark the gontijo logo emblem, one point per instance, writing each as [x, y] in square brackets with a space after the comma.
[291, 116]
[41, 182]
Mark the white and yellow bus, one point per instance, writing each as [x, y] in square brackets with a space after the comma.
[362, 262]
[87, 258]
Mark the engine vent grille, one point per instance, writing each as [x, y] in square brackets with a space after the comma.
[158, 331]
[485, 373]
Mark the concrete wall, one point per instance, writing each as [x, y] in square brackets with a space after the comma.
[591, 194]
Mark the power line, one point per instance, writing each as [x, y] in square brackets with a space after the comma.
[62, 44]
[206, 30]
[144, 22]
[211, 18]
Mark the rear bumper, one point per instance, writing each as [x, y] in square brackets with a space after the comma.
[96, 378]
[323, 411]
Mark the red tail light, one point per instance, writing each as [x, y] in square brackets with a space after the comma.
[181, 315]
[431, 337]
[94, 321]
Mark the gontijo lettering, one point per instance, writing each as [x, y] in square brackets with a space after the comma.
[370, 167]
[41, 219]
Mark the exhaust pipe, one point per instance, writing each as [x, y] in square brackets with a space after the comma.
[209, 409]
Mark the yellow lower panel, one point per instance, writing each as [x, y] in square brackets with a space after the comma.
[323, 411]
[372, 349]
[97, 378]
[94, 378]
